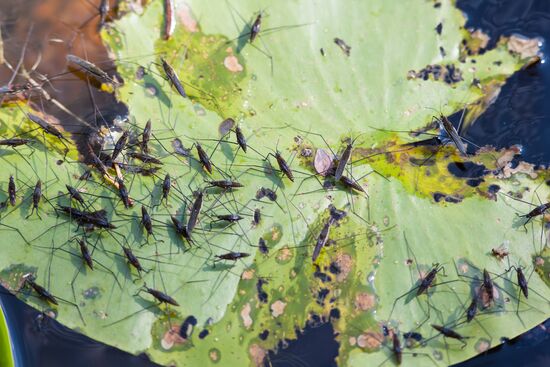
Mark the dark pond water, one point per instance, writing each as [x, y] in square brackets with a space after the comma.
[519, 116]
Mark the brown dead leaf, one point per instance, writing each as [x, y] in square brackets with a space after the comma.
[365, 301]
[525, 47]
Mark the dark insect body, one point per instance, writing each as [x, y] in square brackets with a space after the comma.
[95, 219]
[169, 19]
[41, 291]
[85, 252]
[46, 126]
[36, 196]
[123, 193]
[229, 217]
[257, 217]
[103, 12]
[428, 280]
[539, 210]
[396, 348]
[343, 46]
[98, 164]
[413, 335]
[446, 125]
[488, 286]
[434, 141]
[166, 186]
[255, 29]
[132, 259]
[74, 194]
[241, 140]
[12, 191]
[146, 221]
[181, 229]
[322, 239]
[344, 158]
[233, 256]
[348, 182]
[336, 214]
[203, 158]
[284, 167]
[86, 175]
[91, 69]
[145, 171]
[119, 145]
[472, 310]
[179, 148]
[522, 280]
[145, 137]
[225, 184]
[145, 158]
[195, 211]
[160, 296]
[173, 78]
[14, 88]
[263, 246]
[449, 333]
[263, 192]
[14, 142]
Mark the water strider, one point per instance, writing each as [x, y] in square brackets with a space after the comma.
[161, 297]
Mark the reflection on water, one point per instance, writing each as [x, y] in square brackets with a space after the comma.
[56, 28]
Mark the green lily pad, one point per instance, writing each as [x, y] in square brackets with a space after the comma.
[365, 277]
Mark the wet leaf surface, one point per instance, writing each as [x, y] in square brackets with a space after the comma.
[388, 241]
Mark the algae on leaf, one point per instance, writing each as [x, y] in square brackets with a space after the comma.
[413, 209]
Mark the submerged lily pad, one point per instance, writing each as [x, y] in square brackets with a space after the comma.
[394, 230]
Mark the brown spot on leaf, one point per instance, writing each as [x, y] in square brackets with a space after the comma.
[171, 338]
[277, 308]
[365, 301]
[522, 167]
[284, 254]
[245, 315]
[370, 340]
[344, 262]
[257, 354]
[231, 63]
[214, 354]
[482, 345]
[248, 274]
[186, 18]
